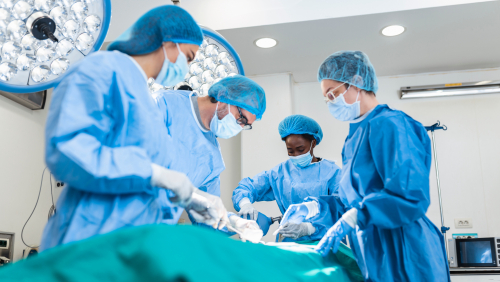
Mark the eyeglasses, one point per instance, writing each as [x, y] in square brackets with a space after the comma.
[330, 97]
[243, 120]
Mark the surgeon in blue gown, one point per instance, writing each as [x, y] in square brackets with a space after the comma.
[195, 123]
[385, 179]
[292, 181]
[105, 137]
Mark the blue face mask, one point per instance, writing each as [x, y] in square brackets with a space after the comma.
[302, 160]
[227, 127]
[173, 73]
[343, 111]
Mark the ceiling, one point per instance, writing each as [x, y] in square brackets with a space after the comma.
[442, 35]
[229, 14]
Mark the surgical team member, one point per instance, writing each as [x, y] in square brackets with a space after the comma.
[194, 124]
[385, 179]
[105, 135]
[292, 181]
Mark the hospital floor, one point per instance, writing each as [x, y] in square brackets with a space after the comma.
[475, 278]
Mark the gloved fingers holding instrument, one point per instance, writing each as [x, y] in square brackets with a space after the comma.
[298, 213]
[297, 230]
[241, 224]
[343, 227]
[247, 211]
[247, 229]
[208, 209]
[174, 181]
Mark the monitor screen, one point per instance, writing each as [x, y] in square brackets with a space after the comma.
[3, 243]
[476, 252]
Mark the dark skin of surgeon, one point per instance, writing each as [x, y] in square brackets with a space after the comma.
[297, 145]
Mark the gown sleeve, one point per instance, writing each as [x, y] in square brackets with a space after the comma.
[212, 186]
[86, 106]
[333, 183]
[402, 155]
[257, 188]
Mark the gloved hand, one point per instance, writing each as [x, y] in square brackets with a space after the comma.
[299, 212]
[174, 181]
[247, 229]
[333, 237]
[240, 224]
[297, 230]
[208, 209]
[247, 211]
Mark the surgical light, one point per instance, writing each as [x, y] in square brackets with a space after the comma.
[216, 59]
[393, 30]
[266, 42]
[40, 40]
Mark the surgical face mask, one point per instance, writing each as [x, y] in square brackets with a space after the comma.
[173, 73]
[302, 160]
[227, 127]
[343, 111]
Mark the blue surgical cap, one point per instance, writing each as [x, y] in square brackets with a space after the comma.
[161, 24]
[351, 67]
[299, 124]
[242, 92]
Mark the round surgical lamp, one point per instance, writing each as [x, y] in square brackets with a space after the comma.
[215, 60]
[41, 39]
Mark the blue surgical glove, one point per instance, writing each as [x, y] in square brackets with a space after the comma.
[333, 237]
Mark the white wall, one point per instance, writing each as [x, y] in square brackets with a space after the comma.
[468, 153]
[21, 166]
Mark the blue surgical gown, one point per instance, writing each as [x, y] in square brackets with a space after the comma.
[190, 149]
[103, 132]
[385, 175]
[289, 184]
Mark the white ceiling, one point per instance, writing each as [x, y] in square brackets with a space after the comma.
[229, 14]
[442, 35]
[437, 39]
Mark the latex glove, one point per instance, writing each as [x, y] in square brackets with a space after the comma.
[208, 209]
[239, 223]
[297, 213]
[247, 229]
[174, 181]
[295, 231]
[247, 211]
[333, 237]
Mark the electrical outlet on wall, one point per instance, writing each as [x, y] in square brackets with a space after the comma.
[463, 222]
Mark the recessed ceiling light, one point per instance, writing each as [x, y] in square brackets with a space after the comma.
[393, 30]
[266, 42]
